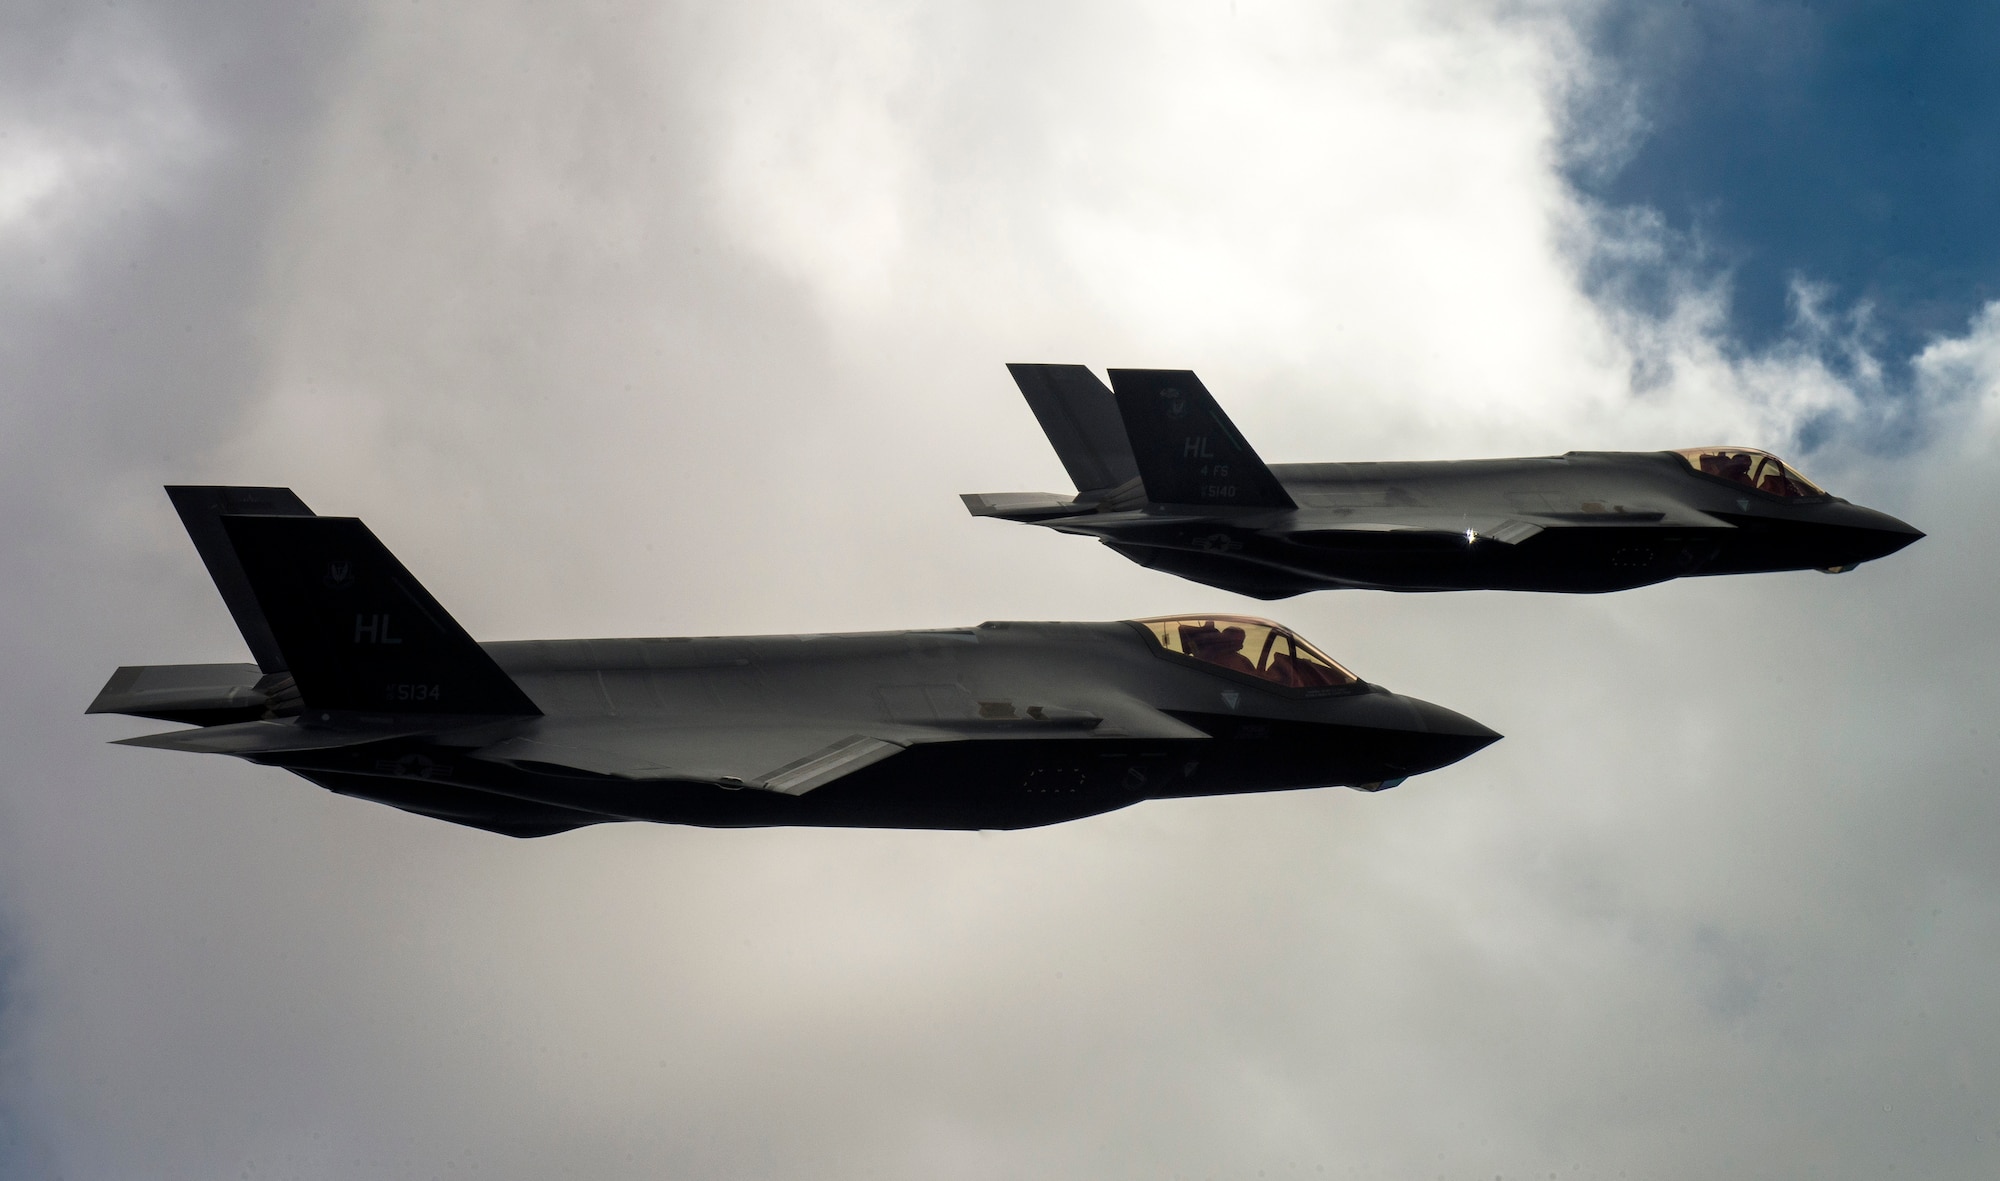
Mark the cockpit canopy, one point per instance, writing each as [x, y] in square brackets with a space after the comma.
[1245, 644]
[1751, 468]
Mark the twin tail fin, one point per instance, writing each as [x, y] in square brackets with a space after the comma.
[357, 631]
[1081, 420]
[1155, 437]
[201, 509]
[1187, 450]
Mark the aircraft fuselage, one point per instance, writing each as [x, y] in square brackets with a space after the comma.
[1166, 479]
[1582, 522]
[1000, 726]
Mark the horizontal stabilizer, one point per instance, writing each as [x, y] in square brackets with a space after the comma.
[791, 760]
[357, 631]
[1020, 506]
[1187, 450]
[199, 693]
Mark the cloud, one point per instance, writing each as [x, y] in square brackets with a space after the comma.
[1964, 373]
[1826, 143]
[688, 320]
[118, 126]
[135, 169]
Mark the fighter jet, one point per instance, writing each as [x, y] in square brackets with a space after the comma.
[1168, 481]
[365, 686]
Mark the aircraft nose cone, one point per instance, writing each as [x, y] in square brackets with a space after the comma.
[1900, 532]
[1878, 535]
[1450, 735]
[1439, 720]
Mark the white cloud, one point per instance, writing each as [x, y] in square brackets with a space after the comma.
[1956, 374]
[30, 174]
[118, 131]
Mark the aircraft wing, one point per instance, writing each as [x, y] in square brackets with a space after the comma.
[1509, 530]
[290, 736]
[789, 759]
[1171, 530]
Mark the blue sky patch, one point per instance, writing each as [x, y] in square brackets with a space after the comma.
[1850, 144]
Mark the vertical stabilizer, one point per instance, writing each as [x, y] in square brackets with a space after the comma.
[359, 633]
[201, 509]
[1187, 450]
[1081, 420]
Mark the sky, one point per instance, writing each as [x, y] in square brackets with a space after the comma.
[1838, 145]
[685, 319]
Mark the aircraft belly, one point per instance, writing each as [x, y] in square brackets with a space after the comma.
[994, 773]
[455, 804]
[1560, 558]
[993, 784]
[1763, 545]
[1498, 554]
[1004, 784]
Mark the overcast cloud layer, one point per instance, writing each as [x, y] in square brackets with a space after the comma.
[629, 319]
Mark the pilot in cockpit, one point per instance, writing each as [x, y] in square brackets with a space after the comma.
[1730, 465]
[1222, 648]
[1752, 469]
[1273, 654]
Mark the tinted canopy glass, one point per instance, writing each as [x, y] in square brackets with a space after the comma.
[1245, 644]
[1752, 469]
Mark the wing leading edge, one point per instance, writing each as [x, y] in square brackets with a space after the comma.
[791, 760]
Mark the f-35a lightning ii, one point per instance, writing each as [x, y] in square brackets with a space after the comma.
[366, 687]
[1166, 480]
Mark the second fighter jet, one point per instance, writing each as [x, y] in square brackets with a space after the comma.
[1166, 480]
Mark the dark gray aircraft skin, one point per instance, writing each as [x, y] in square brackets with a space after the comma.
[1166, 480]
[365, 686]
